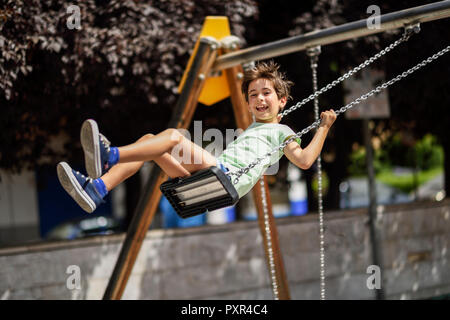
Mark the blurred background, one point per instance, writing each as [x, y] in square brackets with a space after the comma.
[123, 68]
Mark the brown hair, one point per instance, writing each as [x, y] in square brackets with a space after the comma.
[270, 72]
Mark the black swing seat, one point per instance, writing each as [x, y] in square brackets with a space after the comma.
[205, 190]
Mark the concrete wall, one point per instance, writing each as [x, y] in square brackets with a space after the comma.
[227, 262]
[19, 215]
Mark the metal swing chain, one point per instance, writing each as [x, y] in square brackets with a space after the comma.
[313, 54]
[269, 241]
[238, 173]
[405, 37]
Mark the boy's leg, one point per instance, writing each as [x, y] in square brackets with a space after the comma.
[81, 188]
[89, 193]
[96, 149]
[100, 157]
[152, 147]
[122, 171]
[189, 158]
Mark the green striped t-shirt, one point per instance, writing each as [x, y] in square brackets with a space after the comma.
[257, 140]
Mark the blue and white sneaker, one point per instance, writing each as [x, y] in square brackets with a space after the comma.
[79, 187]
[96, 149]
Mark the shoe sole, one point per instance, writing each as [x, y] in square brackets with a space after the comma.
[73, 188]
[90, 144]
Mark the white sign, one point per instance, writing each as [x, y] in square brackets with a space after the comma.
[373, 22]
[376, 106]
[74, 20]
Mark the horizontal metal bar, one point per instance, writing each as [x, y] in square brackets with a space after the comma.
[351, 30]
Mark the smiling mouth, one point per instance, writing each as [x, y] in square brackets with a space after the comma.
[262, 108]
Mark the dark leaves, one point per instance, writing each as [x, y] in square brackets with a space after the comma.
[122, 67]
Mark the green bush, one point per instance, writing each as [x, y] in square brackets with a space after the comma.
[358, 162]
[428, 153]
[425, 154]
[325, 184]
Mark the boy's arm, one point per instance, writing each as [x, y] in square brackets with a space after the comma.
[304, 158]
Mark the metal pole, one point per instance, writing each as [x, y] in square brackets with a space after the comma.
[351, 30]
[373, 225]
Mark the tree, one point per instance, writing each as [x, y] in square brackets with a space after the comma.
[122, 68]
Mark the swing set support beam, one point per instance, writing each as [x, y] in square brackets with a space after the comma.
[347, 31]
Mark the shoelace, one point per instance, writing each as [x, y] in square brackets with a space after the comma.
[106, 143]
[89, 180]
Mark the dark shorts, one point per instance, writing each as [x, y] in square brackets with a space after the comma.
[222, 167]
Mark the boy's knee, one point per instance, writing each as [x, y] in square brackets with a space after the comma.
[146, 136]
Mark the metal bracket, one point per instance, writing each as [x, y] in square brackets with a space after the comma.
[230, 42]
[248, 65]
[313, 51]
[413, 27]
[213, 43]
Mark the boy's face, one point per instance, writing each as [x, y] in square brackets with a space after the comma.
[263, 101]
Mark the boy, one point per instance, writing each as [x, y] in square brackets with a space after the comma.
[266, 92]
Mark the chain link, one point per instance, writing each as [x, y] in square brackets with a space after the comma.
[238, 173]
[269, 241]
[314, 59]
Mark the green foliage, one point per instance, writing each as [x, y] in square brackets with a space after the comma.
[425, 154]
[358, 162]
[357, 165]
[408, 182]
[325, 184]
[429, 154]
[122, 68]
